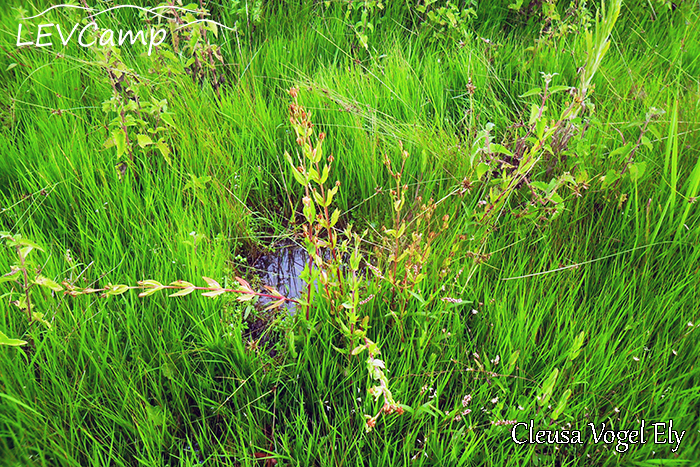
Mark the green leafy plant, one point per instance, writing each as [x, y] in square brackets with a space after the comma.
[248, 15]
[338, 284]
[446, 21]
[407, 245]
[545, 137]
[140, 123]
[181, 288]
[25, 274]
[364, 27]
[21, 273]
[575, 20]
[191, 40]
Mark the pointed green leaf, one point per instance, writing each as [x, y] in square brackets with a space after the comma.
[164, 150]
[273, 305]
[610, 177]
[540, 185]
[299, 177]
[115, 290]
[325, 173]
[289, 160]
[309, 210]
[576, 347]
[562, 404]
[547, 388]
[401, 231]
[24, 252]
[25, 242]
[168, 118]
[213, 293]
[318, 198]
[46, 282]
[334, 217]
[555, 89]
[318, 153]
[513, 360]
[245, 297]
[143, 140]
[120, 141]
[636, 170]
[290, 341]
[152, 287]
[10, 276]
[183, 292]
[329, 196]
[497, 148]
[534, 112]
[481, 169]
[273, 291]
[314, 176]
[149, 292]
[532, 92]
[4, 340]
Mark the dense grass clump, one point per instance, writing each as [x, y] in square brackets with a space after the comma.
[495, 206]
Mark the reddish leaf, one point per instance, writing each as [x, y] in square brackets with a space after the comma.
[245, 284]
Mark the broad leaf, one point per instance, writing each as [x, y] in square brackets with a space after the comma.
[144, 140]
[46, 282]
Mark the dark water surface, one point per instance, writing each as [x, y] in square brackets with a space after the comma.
[281, 270]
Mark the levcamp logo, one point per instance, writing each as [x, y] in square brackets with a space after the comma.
[51, 34]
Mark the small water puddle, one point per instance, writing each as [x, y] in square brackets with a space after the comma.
[281, 270]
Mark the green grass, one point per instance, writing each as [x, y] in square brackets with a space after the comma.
[175, 381]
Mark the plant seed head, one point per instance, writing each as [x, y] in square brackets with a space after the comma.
[470, 87]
